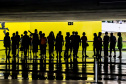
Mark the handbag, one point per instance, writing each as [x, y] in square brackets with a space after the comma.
[87, 44]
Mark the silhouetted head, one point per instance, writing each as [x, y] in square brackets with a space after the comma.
[73, 33]
[59, 32]
[35, 31]
[68, 33]
[25, 32]
[119, 33]
[106, 33]
[40, 32]
[111, 34]
[43, 35]
[16, 32]
[21, 35]
[76, 33]
[13, 34]
[7, 34]
[99, 34]
[83, 33]
[95, 34]
[52, 34]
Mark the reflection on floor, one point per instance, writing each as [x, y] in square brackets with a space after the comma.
[109, 68]
[57, 82]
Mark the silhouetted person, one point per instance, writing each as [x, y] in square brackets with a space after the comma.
[43, 41]
[21, 39]
[99, 46]
[14, 74]
[7, 51]
[40, 35]
[99, 49]
[43, 45]
[51, 39]
[21, 48]
[30, 45]
[95, 44]
[77, 41]
[59, 43]
[25, 43]
[17, 41]
[67, 45]
[112, 44]
[119, 44]
[13, 44]
[84, 44]
[106, 42]
[72, 42]
[7, 44]
[35, 42]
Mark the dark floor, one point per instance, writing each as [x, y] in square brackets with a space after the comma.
[110, 69]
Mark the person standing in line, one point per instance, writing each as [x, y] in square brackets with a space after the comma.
[40, 35]
[67, 45]
[7, 47]
[112, 44]
[120, 44]
[25, 43]
[84, 44]
[59, 43]
[77, 41]
[14, 72]
[35, 42]
[106, 42]
[95, 44]
[7, 44]
[43, 45]
[99, 46]
[17, 42]
[51, 40]
[72, 42]
[13, 44]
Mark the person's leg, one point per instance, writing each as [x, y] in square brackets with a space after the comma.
[9, 51]
[18, 50]
[107, 50]
[114, 51]
[85, 51]
[70, 49]
[104, 50]
[50, 50]
[100, 51]
[40, 50]
[94, 50]
[82, 51]
[120, 53]
[110, 50]
[6, 51]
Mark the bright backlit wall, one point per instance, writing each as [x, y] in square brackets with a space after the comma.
[89, 27]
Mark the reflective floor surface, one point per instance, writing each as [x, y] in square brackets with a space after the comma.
[111, 70]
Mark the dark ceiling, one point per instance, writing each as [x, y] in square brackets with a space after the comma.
[62, 10]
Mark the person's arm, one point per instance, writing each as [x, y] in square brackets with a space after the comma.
[30, 32]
